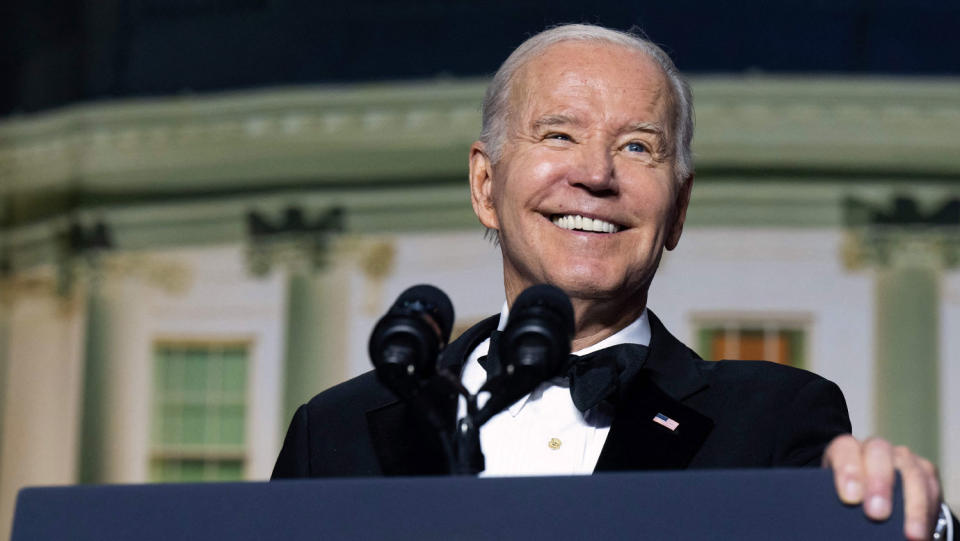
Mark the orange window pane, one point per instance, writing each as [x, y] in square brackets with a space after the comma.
[751, 345]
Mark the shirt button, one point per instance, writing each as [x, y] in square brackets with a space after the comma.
[554, 443]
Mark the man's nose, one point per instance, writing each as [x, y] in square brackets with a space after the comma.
[595, 170]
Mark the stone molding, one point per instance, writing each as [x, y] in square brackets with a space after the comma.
[416, 130]
[829, 123]
[902, 231]
[190, 169]
[935, 247]
[244, 139]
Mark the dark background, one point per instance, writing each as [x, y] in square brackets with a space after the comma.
[54, 52]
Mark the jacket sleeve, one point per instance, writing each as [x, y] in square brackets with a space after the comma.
[816, 415]
[294, 459]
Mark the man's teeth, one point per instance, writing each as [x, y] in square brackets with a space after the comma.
[573, 221]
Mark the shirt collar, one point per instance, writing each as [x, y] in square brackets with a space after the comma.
[637, 332]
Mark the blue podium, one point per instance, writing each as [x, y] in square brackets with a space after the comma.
[713, 504]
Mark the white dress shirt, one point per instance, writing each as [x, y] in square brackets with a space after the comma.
[543, 433]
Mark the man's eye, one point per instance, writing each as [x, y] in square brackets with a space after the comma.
[635, 147]
[559, 136]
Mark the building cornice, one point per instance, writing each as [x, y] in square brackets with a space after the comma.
[404, 131]
[190, 168]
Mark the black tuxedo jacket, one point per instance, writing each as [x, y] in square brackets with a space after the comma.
[731, 414]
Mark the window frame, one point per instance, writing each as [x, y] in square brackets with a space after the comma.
[213, 454]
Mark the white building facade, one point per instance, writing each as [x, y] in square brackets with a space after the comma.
[179, 274]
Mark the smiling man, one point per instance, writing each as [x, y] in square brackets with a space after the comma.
[583, 171]
[584, 188]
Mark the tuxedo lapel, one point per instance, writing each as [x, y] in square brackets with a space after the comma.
[637, 441]
[672, 365]
[404, 442]
[455, 355]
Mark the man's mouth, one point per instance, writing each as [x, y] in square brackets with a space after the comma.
[576, 222]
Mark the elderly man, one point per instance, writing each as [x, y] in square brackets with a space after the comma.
[583, 170]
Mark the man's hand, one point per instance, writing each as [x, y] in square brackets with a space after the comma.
[864, 472]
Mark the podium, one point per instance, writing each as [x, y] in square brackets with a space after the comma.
[708, 504]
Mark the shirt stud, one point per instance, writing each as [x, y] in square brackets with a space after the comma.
[554, 443]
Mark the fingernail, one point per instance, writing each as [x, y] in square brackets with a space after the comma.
[916, 530]
[853, 491]
[878, 507]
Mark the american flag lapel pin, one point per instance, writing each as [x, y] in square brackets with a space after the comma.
[663, 420]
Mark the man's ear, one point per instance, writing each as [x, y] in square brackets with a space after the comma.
[481, 186]
[680, 214]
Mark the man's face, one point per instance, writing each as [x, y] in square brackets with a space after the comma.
[588, 135]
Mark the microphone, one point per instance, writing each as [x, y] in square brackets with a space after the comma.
[407, 339]
[534, 346]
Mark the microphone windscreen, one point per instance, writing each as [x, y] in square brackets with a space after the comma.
[433, 301]
[550, 298]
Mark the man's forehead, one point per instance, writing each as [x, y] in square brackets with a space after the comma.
[570, 58]
[544, 85]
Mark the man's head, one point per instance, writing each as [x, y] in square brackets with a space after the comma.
[587, 127]
[496, 101]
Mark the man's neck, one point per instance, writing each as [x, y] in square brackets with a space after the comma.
[596, 320]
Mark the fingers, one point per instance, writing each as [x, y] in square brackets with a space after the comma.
[843, 455]
[920, 493]
[879, 476]
[864, 472]
[933, 477]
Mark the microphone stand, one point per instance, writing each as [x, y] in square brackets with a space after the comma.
[461, 443]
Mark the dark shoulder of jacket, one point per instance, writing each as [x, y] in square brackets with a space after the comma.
[751, 375]
[361, 393]
[738, 368]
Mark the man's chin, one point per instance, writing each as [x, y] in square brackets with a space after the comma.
[591, 287]
[586, 283]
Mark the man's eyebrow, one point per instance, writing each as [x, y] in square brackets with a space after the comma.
[555, 120]
[645, 127]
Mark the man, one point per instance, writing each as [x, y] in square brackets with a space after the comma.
[583, 171]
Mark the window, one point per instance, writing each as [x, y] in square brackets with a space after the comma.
[753, 339]
[199, 411]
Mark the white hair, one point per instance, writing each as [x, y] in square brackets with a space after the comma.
[496, 102]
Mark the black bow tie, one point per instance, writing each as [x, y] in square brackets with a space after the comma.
[594, 377]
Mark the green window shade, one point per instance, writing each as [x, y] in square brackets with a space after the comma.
[199, 412]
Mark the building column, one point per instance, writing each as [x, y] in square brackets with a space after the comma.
[908, 353]
[114, 438]
[115, 383]
[302, 341]
[42, 380]
[309, 251]
[316, 332]
[94, 411]
[320, 309]
[910, 245]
